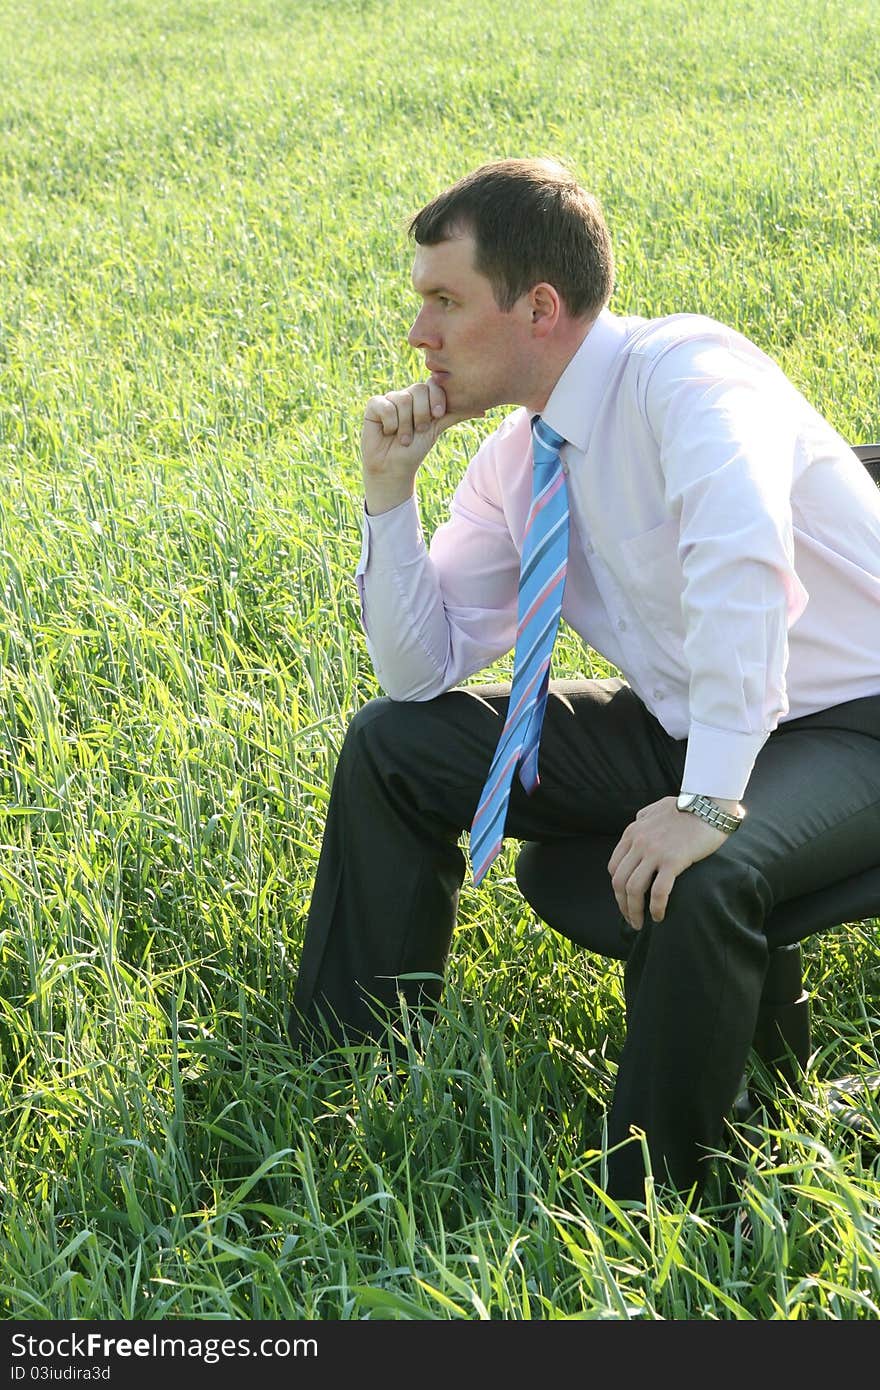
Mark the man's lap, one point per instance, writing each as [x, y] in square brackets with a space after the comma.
[813, 801]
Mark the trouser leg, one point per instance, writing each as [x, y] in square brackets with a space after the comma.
[693, 982]
[386, 890]
[406, 785]
[692, 988]
[385, 895]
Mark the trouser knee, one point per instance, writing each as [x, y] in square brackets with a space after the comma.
[719, 889]
[365, 724]
[713, 925]
[391, 732]
[374, 747]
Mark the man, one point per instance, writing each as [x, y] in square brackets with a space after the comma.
[722, 550]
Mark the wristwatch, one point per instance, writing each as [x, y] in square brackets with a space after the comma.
[707, 810]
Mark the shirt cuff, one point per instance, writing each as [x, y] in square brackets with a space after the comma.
[391, 539]
[719, 762]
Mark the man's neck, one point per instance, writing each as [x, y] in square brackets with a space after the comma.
[566, 342]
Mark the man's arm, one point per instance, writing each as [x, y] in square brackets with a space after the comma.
[727, 443]
[433, 616]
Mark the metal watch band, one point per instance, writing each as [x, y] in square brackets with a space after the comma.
[707, 810]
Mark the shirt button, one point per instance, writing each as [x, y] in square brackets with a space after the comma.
[622, 626]
[657, 693]
[565, 468]
[590, 548]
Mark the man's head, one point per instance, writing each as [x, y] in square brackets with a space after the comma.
[513, 263]
[531, 221]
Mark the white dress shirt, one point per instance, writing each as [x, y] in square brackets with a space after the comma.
[724, 551]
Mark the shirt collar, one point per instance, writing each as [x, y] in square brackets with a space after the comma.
[575, 398]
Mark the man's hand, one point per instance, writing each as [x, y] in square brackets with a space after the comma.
[651, 853]
[399, 430]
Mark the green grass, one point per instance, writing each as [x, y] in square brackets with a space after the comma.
[203, 275]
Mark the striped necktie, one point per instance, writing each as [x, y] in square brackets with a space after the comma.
[541, 582]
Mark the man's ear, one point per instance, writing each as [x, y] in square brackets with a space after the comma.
[545, 307]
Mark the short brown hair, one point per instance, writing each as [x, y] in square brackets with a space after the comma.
[531, 221]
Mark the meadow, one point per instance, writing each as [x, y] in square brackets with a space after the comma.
[204, 273]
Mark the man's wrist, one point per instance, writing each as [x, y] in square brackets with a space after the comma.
[728, 804]
[378, 499]
[724, 813]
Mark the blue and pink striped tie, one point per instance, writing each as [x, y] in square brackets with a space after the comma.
[541, 582]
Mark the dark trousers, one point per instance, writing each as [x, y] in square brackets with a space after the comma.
[386, 892]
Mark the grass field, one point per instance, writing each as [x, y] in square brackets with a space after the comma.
[203, 275]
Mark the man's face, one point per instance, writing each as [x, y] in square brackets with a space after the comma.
[480, 355]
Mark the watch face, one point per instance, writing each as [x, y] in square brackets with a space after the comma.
[685, 800]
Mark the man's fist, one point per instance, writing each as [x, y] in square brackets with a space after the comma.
[399, 430]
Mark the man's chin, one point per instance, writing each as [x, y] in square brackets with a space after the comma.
[468, 407]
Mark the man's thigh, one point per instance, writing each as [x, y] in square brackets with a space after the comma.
[813, 801]
[602, 756]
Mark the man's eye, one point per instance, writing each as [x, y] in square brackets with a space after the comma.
[444, 301]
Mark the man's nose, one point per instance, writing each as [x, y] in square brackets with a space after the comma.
[420, 333]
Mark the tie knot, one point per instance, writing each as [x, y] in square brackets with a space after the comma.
[546, 441]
